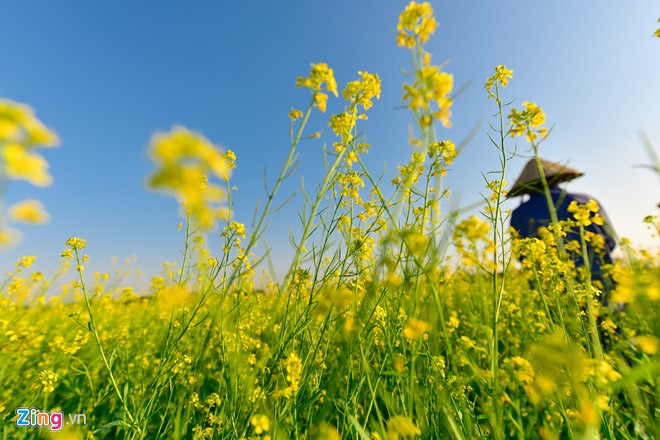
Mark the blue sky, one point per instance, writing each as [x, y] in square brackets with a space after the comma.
[106, 76]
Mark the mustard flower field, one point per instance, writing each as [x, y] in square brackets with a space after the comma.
[396, 318]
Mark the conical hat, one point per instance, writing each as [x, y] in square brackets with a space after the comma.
[530, 181]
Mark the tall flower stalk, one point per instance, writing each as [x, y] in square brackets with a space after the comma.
[500, 255]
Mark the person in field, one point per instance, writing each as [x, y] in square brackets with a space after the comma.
[534, 213]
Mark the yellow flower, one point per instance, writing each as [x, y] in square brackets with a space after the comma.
[20, 133]
[260, 423]
[295, 114]
[582, 213]
[416, 21]
[362, 91]
[37, 134]
[320, 76]
[431, 86]
[18, 124]
[184, 161]
[415, 328]
[401, 426]
[342, 124]
[8, 236]
[213, 400]
[502, 75]
[321, 101]
[327, 432]
[230, 164]
[350, 184]
[48, 379]
[473, 229]
[182, 145]
[23, 164]
[294, 368]
[445, 149]
[592, 206]
[607, 372]
[236, 228]
[602, 402]
[648, 344]
[26, 261]
[76, 243]
[172, 299]
[29, 211]
[529, 121]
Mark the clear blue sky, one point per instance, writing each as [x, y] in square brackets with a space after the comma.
[107, 75]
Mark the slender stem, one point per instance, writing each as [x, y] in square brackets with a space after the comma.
[551, 205]
[498, 287]
[325, 187]
[186, 247]
[93, 329]
[593, 327]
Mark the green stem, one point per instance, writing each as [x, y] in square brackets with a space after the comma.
[498, 287]
[593, 326]
[325, 187]
[186, 247]
[97, 337]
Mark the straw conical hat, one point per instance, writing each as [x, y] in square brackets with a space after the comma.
[530, 180]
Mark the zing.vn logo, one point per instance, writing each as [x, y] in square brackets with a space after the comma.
[32, 417]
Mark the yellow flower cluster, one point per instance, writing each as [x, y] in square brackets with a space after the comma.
[445, 149]
[184, 161]
[415, 328]
[26, 262]
[428, 96]
[321, 78]
[401, 426]
[29, 211]
[531, 251]
[413, 171]
[76, 243]
[648, 344]
[441, 155]
[350, 184]
[362, 91]
[295, 114]
[260, 423]
[522, 369]
[473, 229]
[20, 134]
[416, 21]
[529, 122]
[293, 369]
[47, 380]
[430, 93]
[472, 241]
[502, 75]
[342, 124]
[497, 189]
[583, 213]
[359, 92]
